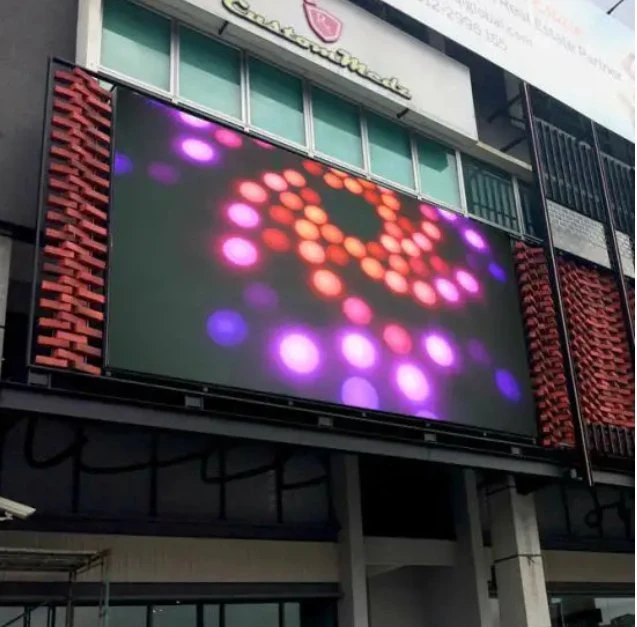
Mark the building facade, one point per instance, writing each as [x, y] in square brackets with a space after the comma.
[316, 313]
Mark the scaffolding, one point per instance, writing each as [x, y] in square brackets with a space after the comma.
[51, 561]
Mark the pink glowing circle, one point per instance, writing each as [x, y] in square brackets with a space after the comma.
[240, 252]
[473, 238]
[228, 138]
[397, 338]
[262, 144]
[299, 353]
[447, 215]
[412, 382]
[253, 192]
[243, 215]
[193, 120]
[357, 310]
[447, 290]
[439, 349]
[275, 181]
[358, 350]
[198, 150]
[467, 281]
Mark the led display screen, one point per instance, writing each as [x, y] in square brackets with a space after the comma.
[240, 264]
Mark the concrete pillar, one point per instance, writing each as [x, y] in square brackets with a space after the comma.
[517, 557]
[5, 266]
[471, 567]
[352, 608]
[88, 37]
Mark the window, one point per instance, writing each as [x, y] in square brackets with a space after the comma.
[209, 73]
[438, 172]
[136, 42]
[276, 101]
[174, 615]
[337, 128]
[390, 150]
[490, 194]
[251, 614]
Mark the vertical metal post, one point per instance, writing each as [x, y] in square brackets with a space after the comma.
[611, 240]
[554, 276]
[70, 617]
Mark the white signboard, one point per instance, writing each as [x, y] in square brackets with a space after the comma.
[350, 49]
[569, 49]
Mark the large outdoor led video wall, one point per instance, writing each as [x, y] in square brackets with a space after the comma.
[239, 264]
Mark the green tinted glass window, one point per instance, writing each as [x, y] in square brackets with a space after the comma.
[276, 101]
[209, 73]
[136, 42]
[337, 127]
[438, 172]
[390, 150]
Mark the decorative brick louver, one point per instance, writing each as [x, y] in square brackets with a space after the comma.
[604, 371]
[74, 226]
[548, 377]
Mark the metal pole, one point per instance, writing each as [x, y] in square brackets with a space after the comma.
[611, 240]
[554, 276]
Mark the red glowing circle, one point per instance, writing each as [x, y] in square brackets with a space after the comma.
[405, 224]
[310, 196]
[376, 250]
[276, 240]
[333, 181]
[371, 197]
[372, 268]
[431, 230]
[367, 184]
[439, 265]
[336, 254]
[313, 167]
[353, 186]
[398, 264]
[306, 229]
[294, 178]
[281, 215]
[311, 252]
[332, 234]
[390, 243]
[339, 173]
[429, 212]
[424, 293]
[291, 200]
[354, 247]
[394, 230]
[423, 242]
[357, 310]
[390, 201]
[253, 192]
[419, 266]
[397, 338]
[386, 213]
[315, 214]
[275, 182]
[327, 283]
[410, 248]
[396, 282]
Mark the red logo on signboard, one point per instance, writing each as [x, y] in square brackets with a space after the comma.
[323, 23]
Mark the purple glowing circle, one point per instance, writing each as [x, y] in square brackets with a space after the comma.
[260, 296]
[478, 352]
[193, 120]
[227, 328]
[447, 215]
[359, 351]
[358, 392]
[240, 252]
[122, 164]
[497, 272]
[473, 238]
[423, 413]
[439, 349]
[447, 290]
[243, 215]
[508, 385]
[299, 353]
[412, 382]
[163, 173]
[467, 281]
[198, 150]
